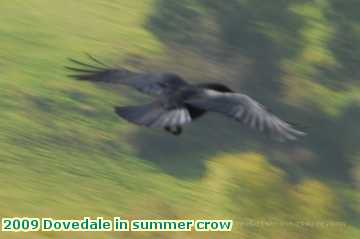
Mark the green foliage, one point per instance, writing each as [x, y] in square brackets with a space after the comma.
[262, 201]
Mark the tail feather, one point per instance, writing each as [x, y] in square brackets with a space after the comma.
[143, 115]
[153, 115]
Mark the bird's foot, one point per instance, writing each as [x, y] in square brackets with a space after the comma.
[175, 131]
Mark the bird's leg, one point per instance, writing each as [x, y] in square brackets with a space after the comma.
[168, 129]
[176, 131]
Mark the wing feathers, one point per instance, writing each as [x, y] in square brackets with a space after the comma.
[247, 111]
[152, 84]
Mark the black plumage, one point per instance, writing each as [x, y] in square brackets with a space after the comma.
[178, 102]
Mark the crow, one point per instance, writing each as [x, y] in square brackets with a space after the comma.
[177, 102]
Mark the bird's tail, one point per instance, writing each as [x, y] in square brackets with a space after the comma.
[143, 115]
[154, 116]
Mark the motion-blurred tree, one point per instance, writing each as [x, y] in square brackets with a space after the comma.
[303, 53]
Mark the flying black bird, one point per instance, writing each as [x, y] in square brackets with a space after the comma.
[178, 102]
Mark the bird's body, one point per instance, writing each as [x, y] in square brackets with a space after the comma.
[177, 102]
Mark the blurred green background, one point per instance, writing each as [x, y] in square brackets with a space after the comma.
[65, 154]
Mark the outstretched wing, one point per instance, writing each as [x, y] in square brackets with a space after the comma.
[152, 84]
[246, 110]
[153, 115]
